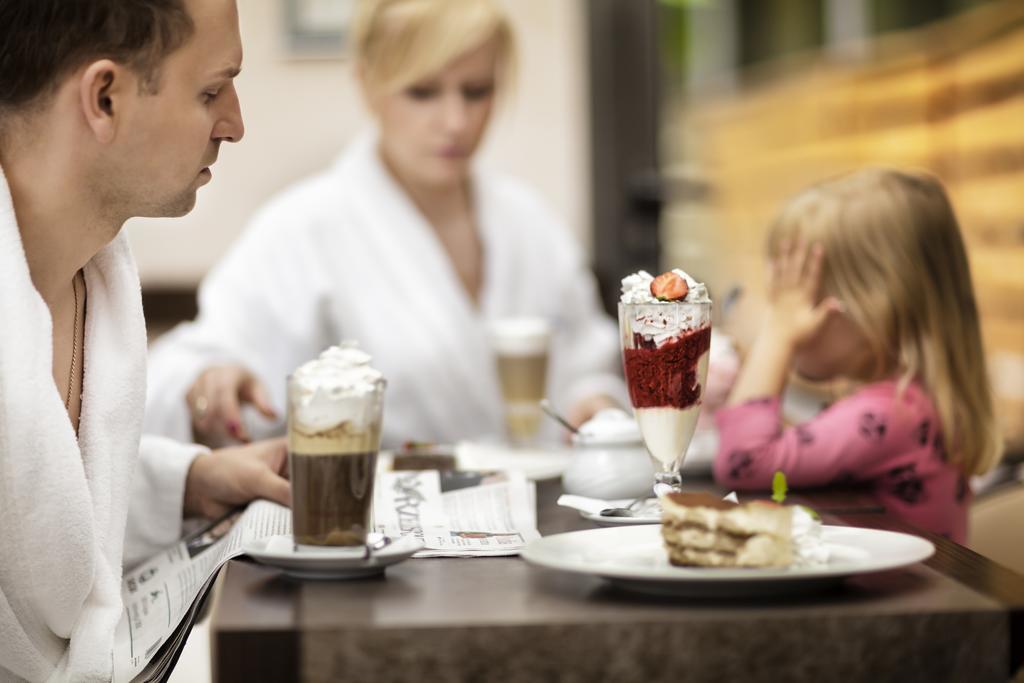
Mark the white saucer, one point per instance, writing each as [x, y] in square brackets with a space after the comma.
[334, 563]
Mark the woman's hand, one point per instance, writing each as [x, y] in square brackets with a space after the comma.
[793, 287]
[225, 478]
[215, 402]
[588, 407]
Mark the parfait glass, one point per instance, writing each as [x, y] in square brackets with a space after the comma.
[665, 356]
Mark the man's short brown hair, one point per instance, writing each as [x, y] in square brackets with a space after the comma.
[41, 41]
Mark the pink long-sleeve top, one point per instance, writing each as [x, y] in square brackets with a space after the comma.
[878, 437]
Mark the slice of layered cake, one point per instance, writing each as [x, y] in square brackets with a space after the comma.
[702, 530]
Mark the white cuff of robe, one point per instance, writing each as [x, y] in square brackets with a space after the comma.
[156, 508]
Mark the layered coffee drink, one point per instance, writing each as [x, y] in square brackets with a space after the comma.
[334, 423]
[521, 349]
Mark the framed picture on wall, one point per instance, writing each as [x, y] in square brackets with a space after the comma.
[317, 29]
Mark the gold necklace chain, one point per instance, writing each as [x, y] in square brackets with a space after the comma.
[74, 345]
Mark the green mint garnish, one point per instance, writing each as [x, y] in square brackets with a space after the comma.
[814, 515]
[779, 487]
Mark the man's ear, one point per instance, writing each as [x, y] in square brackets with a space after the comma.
[102, 90]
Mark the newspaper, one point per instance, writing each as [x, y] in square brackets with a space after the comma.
[455, 514]
[161, 592]
[458, 514]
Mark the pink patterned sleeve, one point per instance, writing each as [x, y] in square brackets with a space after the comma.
[840, 445]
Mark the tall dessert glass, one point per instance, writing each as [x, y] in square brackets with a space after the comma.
[665, 355]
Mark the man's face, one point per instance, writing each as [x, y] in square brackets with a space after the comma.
[170, 139]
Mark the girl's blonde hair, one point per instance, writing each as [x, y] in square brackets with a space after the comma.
[894, 256]
[398, 42]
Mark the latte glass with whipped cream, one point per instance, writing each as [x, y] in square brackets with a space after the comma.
[335, 407]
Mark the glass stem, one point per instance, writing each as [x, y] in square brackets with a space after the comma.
[667, 482]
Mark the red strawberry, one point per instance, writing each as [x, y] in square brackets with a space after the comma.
[669, 287]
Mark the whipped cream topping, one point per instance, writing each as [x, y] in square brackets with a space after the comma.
[524, 336]
[809, 550]
[609, 426]
[333, 389]
[658, 320]
[636, 289]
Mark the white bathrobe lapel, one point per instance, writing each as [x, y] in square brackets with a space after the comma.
[424, 282]
[64, 501]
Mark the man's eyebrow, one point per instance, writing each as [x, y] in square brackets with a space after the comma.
[229, 72]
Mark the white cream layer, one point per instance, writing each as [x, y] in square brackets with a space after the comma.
[667, 432]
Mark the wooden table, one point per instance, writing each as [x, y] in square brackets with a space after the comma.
[958, 617]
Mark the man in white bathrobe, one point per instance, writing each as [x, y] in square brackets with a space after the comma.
[108, 110]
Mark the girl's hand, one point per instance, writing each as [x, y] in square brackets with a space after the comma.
[215, 401]
[794, 281]
[793, 319]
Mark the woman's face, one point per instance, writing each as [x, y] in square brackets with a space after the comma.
[431, 129]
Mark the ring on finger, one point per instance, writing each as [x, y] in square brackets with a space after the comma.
[201, 406]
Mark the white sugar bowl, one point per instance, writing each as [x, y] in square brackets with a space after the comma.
[609, 459]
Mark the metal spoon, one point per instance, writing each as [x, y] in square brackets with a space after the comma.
[545, 405]
[627, 511]
[374, 542]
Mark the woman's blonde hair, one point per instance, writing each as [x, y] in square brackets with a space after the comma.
[895, 258]
[398, 42]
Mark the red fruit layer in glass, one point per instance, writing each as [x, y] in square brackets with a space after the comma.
[666, 376]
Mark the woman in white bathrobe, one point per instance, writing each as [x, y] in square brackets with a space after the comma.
[403, 245]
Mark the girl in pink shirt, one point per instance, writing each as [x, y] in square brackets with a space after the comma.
[869, 281]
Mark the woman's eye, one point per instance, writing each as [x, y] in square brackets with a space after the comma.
[477, 92]
[209, 96]
[421, 92]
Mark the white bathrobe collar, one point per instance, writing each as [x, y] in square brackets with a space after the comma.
[64, 501]
[382, 202]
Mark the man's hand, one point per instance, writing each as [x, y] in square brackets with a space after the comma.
[223, 479]
[215, 402]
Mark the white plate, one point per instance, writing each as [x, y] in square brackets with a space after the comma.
[536, 463]
[650, 514]
[341, 563]
[633, 557]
